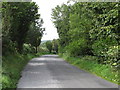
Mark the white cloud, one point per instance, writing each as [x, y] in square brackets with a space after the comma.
[45, 9]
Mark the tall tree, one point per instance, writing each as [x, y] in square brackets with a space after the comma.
[35, 33]
[61, 21]
[55, 45]
[49, 46]
[18, 16]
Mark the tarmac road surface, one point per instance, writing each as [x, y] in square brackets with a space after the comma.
[50, 71]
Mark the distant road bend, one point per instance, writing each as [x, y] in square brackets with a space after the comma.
[50, 71]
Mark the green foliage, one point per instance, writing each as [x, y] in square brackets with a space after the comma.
[43, 49]
[61, 21]
[55, 44]
[74, 28]
[27, 48]
[17, 18]
[100, 48]
[12, 67]
[88, 29]
[106, 33]
[34, 35]
[49, 46]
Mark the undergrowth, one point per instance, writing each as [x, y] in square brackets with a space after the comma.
[12, 65]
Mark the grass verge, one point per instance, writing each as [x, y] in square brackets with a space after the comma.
[89, 63]
[12, 65]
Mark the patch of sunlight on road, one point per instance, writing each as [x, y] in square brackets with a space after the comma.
[36, 64]
[38, 59]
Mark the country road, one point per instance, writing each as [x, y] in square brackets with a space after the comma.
[50, 71]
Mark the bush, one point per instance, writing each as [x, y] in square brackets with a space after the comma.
[8, 46]
[112, 55]
[90, 58]
[78, 48]
[107, 49]
[27, 48]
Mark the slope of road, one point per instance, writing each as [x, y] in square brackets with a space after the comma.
[49, 71]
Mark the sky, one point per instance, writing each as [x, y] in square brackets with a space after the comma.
[45, 9]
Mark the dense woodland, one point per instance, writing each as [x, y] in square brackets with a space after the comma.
[89, 29]
[88, 37]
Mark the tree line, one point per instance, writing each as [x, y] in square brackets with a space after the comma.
[89, 28]
[22, 31]
[52, 46]
[21, 27]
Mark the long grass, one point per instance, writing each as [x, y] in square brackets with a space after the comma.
[12, 66]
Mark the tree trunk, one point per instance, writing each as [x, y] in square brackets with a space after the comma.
[36, 49]
[20, 47]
